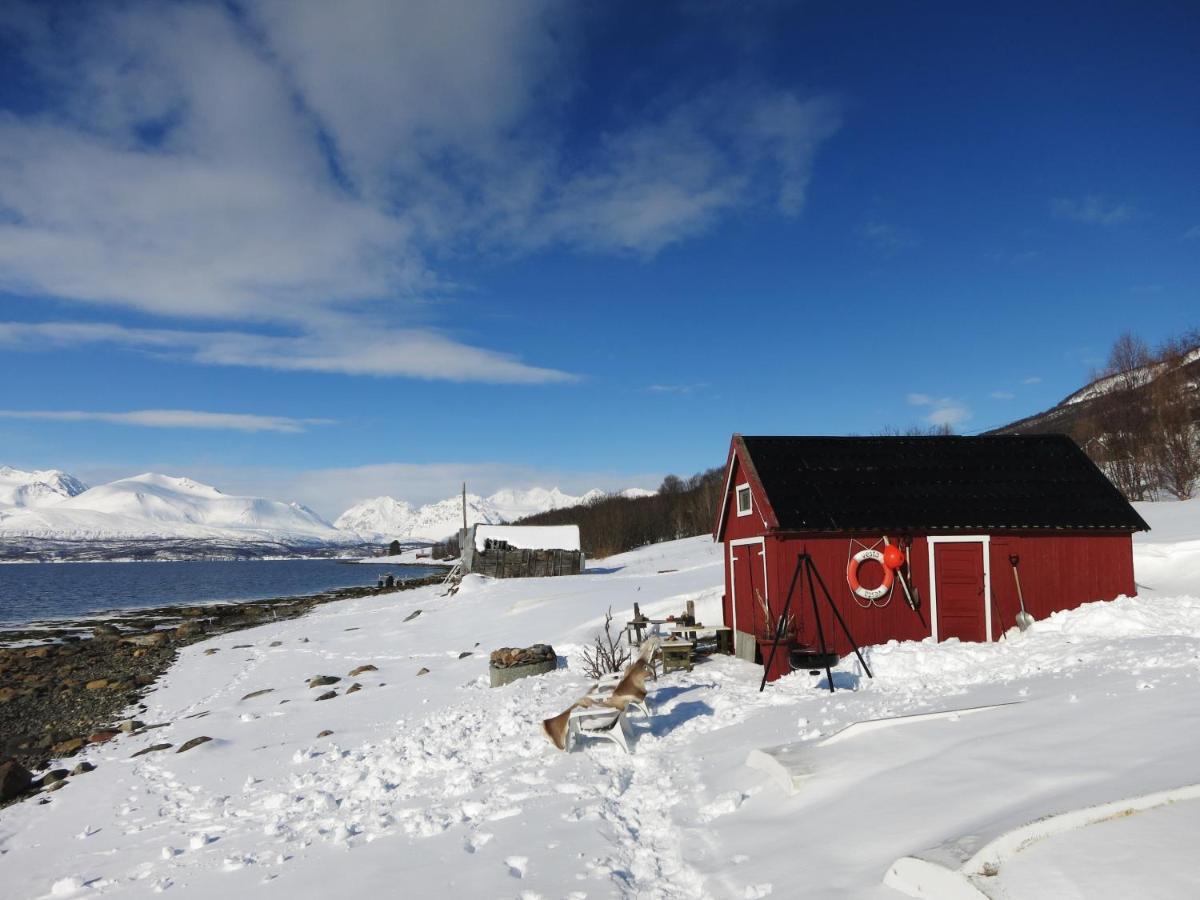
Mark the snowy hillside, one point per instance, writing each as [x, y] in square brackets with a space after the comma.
[150, 507]
[46, 487]
[386, 519]
[442, 784]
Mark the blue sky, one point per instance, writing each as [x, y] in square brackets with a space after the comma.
[325, 252]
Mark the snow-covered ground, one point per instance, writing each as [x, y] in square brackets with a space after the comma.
[1166, 559]
[437, 785]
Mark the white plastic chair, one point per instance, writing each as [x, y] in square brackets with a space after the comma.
[597, 721]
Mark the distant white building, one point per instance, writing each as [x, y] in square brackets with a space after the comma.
[521, 551]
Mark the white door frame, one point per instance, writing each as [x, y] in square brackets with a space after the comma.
[744, 542]
[986, 541]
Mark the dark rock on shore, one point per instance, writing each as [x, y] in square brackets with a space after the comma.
[194, 742]
[53, 779]
[358, 670]
[153, 748]
[328, 695]
[15, 780]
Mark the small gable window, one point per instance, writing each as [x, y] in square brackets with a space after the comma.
[744, 507]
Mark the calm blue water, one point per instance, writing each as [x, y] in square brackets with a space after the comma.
[56, 590]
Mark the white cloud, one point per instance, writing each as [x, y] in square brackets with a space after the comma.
[345, 347]
[658, 182]
[311, 167]
[172, 418]
[1002, 395]
[1092, 210]
[949, 414]
[1032, 379]
[677, 388]
[943, 410]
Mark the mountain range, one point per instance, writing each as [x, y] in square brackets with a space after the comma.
[387, 519]
[50, 514]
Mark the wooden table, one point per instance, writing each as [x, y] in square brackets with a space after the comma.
[722, 633]
[676, 654]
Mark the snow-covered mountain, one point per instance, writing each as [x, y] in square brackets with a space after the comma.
[179, 514]
[50, 514]
[375, 518]
[46, 487]
[387, 519]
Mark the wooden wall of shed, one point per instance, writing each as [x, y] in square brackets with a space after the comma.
[870, 625]
[738, 528]
[1058, 572]
[526, 563]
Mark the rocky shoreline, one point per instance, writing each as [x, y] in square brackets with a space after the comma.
[60, 691]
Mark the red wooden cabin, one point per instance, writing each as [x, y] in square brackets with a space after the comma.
[959, 507]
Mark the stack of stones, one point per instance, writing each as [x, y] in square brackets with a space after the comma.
[510, 663]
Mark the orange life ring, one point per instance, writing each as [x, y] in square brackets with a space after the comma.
[852, 575]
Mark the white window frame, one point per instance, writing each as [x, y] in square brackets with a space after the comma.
[737, 500]
[986, 541]
[744, 542]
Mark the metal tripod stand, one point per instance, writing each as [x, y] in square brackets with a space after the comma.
[805, 562]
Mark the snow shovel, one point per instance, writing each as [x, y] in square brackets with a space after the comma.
[1024, 619]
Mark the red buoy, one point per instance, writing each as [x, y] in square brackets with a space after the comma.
[893, 557]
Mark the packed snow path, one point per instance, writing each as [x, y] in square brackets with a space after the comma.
[436, 785]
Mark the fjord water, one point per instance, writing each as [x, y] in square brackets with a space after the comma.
[36, 591]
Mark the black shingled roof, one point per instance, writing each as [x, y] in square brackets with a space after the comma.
[936, 483]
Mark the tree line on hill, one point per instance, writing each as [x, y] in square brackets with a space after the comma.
[683, 507]
[1143, 426]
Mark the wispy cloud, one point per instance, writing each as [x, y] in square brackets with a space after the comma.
[1092, 209]
[172, 418]
[346, 348]
[284, 166]
[677, 388]
[891, 239]
[1032, 379]
[1192, 234]
[942, 410]
[1014, 257]
[1002, 395]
